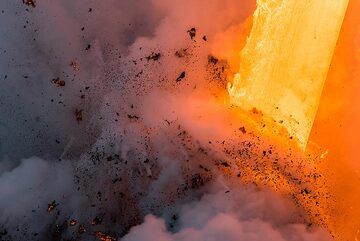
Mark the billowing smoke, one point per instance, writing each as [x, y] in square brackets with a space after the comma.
[224, 215]
[112, 127]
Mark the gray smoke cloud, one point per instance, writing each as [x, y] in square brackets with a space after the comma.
[131, 144]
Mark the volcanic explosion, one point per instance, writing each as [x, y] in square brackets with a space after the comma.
[179, 120]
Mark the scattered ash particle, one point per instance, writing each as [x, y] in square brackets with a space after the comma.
[139, 74]
[181, 76]
[153, 56]
[197, 181]
[181, 53]
[81, 229]
[242, 129]
[225, 164]
[88, 47]
[116, 180]
[132, 117]
[204, 38]
[255, 111]
[212, 60]
[99, 195]
[192, 33]
[58, 82]
[97, 220]
[3, 232]
[73, 64]
[79, 115]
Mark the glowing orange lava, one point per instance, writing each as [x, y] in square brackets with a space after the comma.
[333, 143]
[286, 59]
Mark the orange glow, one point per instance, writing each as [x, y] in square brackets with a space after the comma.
[336, 126]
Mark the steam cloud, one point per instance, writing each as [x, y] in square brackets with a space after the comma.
[130, 146]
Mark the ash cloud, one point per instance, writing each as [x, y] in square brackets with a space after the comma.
[133, 143]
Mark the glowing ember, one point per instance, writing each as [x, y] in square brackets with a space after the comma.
[286, 60]
[72, 222]
[30, 3]
[52, 206]
[104, 237]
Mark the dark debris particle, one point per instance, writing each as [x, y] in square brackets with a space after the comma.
[212, 60]
[79, 115]
[133, 117]
[138, 74]
[225, 164]
[181, 53]
[99, 195]
[197, 181]
[305, 191]
[181, 76]
[242, 129]
[204, 38]
[81, 229]
[31, 3]
[3, 232]
[58, 82]
[255, 111]
[192, 33]
[97, 220]
[116, 180]
[88, 47]
[74, 65]
[153, 56]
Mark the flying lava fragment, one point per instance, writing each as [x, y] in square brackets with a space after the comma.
[285, 61]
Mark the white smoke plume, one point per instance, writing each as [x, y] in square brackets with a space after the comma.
[134, 144]
[229, 215]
